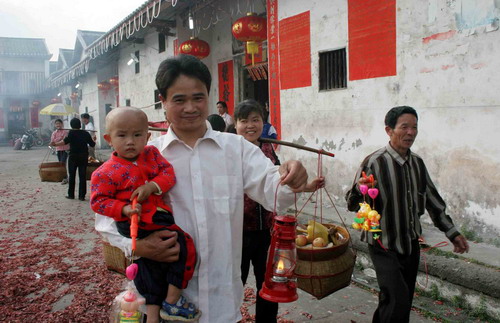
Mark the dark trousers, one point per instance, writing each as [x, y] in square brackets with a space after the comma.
[62, 156]
[77, 162]
[153, 277]
[255, 249]
[396, 276]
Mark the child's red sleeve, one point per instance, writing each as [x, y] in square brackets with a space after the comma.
[166, 176]
[102, 195]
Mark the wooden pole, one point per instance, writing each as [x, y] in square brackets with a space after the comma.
[277, 142]
[291, 144]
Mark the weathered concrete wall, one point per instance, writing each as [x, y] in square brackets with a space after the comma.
[447, 68]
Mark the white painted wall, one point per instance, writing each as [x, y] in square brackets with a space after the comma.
[452, 83]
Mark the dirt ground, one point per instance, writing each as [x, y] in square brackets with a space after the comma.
[51, 257]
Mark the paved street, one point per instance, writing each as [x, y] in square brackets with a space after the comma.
[53, 270]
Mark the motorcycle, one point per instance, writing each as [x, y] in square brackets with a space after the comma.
[28, 139]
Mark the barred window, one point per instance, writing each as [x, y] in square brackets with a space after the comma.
[333, 70]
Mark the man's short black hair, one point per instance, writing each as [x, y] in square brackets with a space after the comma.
[85, 116]
[222, 103]
[171, 68]
[75, 123]
[244, 108]
[391, 118]
[217, 122]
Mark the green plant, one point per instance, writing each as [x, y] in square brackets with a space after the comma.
[470, 234]
[458, 301]
[480, 310]
[434, 292]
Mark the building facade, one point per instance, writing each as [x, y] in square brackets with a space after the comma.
[330, 71]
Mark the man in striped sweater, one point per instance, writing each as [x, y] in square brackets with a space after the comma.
[405, 192]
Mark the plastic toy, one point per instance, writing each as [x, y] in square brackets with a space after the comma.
[367, 218]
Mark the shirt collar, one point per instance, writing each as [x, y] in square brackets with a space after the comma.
[170, 137]
[394, 154]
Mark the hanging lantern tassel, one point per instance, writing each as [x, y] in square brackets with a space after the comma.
[253, 49]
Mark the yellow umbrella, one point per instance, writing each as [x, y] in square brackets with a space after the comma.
[58, 109]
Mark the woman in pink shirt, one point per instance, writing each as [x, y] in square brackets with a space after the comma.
[62, 151]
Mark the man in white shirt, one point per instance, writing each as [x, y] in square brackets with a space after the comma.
[222, 108]
[89, 126]
[213, 171]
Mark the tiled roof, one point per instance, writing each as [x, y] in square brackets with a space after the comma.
[23, 47]
[66, 55]
[89, 36]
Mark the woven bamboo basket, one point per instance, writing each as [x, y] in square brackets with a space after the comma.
[52, 172]
[115, 258]
[322, 271]
[91, 167]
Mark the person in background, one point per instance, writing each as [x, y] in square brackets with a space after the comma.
[405, 192]
[213, 169]
[89, 126]
[217, 122]
[78, 141]
[257, 221]
[222, 108]
[268, 131]
[62, 151]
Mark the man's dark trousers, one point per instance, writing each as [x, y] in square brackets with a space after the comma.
[396, 276]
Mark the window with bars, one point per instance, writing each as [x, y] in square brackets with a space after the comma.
[137, 64]
[333, 70]
[161, 43]
[157, 99]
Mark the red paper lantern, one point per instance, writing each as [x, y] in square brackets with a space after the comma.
[104, 86]
[35, 103]
[114, 81]
[195, 47]
[251, 29]
[56, 100]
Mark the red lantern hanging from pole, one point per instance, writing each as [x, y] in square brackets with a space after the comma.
[104, 87]
[251, 29]
[195, 47]
[280, 285]
[114, 81]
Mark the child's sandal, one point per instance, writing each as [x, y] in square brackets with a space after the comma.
[177, 312]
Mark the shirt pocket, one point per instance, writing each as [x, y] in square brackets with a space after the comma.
[421, 200]
[224, 188]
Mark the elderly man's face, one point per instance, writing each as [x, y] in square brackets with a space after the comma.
[187, 106]
[404, 133]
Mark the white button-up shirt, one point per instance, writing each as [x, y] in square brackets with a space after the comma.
[207, 202]
[227, 119]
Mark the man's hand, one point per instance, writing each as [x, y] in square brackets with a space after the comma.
[460, 244]
[317, 183]
[144, 191]
[161, 246]
[294, 175]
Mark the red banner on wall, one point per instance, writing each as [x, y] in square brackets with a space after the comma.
[34, 117]
[273, 65]
[372, 38]
[295, 51]
[226, 84]
[176, 46]
[2, 122]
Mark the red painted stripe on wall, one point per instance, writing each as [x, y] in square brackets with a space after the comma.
[274, 65]
[372, 38]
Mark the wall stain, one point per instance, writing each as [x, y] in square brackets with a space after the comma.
[300, 141]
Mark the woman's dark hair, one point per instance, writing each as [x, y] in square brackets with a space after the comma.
[223, 104]
[391, 118]
[231, 128]
[75, 123]
[217, 122]
[244, 108]
[171, 68]
[58, 120]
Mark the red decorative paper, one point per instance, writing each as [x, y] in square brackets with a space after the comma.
[34, 117]
[176, 46]
[2, 122]
[274, 65]
[295, 51]
[372, 38]
[226, 84]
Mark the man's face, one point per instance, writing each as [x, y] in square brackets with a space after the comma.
[404, 133]
[221, 109]
[187, 106]
[85, 120]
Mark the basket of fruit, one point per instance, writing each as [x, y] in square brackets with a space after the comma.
[324, 260]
